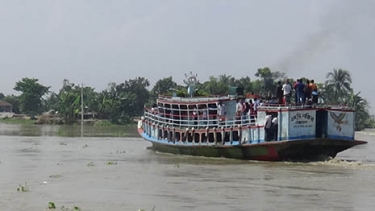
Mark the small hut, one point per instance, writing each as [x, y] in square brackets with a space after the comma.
[5, 106]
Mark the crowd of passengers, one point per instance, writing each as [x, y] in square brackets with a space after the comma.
[305, 92]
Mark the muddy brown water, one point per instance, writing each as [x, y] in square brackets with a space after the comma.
[99, 173]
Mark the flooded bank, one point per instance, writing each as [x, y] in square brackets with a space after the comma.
[119, 173]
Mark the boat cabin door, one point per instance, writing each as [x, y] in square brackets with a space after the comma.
[321, 123]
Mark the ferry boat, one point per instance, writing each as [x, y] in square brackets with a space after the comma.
[195, 126]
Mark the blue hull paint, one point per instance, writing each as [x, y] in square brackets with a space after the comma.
[313, 149]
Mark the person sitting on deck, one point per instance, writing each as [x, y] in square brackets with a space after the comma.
[315, 96]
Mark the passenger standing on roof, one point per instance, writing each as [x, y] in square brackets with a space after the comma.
[287, 91]
[314, 93]
[313, 86]
[279, 93]
[295, 91]
[301, 91]
[307, 91]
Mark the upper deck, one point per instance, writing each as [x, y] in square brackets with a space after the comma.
[203, 112]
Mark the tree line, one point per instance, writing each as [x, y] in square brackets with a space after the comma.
[120, 103]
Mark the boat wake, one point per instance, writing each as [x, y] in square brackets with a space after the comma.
[367, 132]
[346, 163]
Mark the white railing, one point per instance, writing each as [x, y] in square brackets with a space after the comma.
[198, 121]
[301, 106]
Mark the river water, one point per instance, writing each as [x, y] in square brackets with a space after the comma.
[113, 174]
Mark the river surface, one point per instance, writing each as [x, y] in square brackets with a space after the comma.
[110, 174]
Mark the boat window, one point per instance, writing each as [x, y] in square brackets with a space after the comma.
[167, 110]
[175, 111]
[212, 110]
[183, 112]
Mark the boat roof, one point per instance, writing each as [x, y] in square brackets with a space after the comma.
[190, 100]
[267, 107]
[305, 107]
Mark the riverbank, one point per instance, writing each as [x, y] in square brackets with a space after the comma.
[28, 128]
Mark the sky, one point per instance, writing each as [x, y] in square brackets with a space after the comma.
[97, 42]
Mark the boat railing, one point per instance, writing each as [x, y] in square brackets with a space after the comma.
[198, 121]
[211, 98]
[302, 106]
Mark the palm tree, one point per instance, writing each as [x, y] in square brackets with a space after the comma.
[338, 84]
[360, 105]
[245, 83]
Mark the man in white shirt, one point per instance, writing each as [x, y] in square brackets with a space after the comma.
[287, 91]
[221, 111]
[268, 127]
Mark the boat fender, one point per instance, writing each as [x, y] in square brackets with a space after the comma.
[193, 134]
[167, 138]
[240, 135]
[184, 139]
[231, 135]
[174, 135]
[222, 136]
[207, 135]
[215, 136]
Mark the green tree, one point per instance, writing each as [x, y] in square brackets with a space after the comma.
[52, 102]
[245, 83]
[338, 84]
[133, 95]
[360, 105]
[109, 104]
[226, 80]
[31, 97]
[1, 96]
[215, 86]
[69, 101]
[164, 86]
[269, 80]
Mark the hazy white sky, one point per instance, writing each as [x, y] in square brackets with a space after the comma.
[96, 42]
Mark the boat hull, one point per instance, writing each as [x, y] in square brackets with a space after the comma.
[298, 150]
